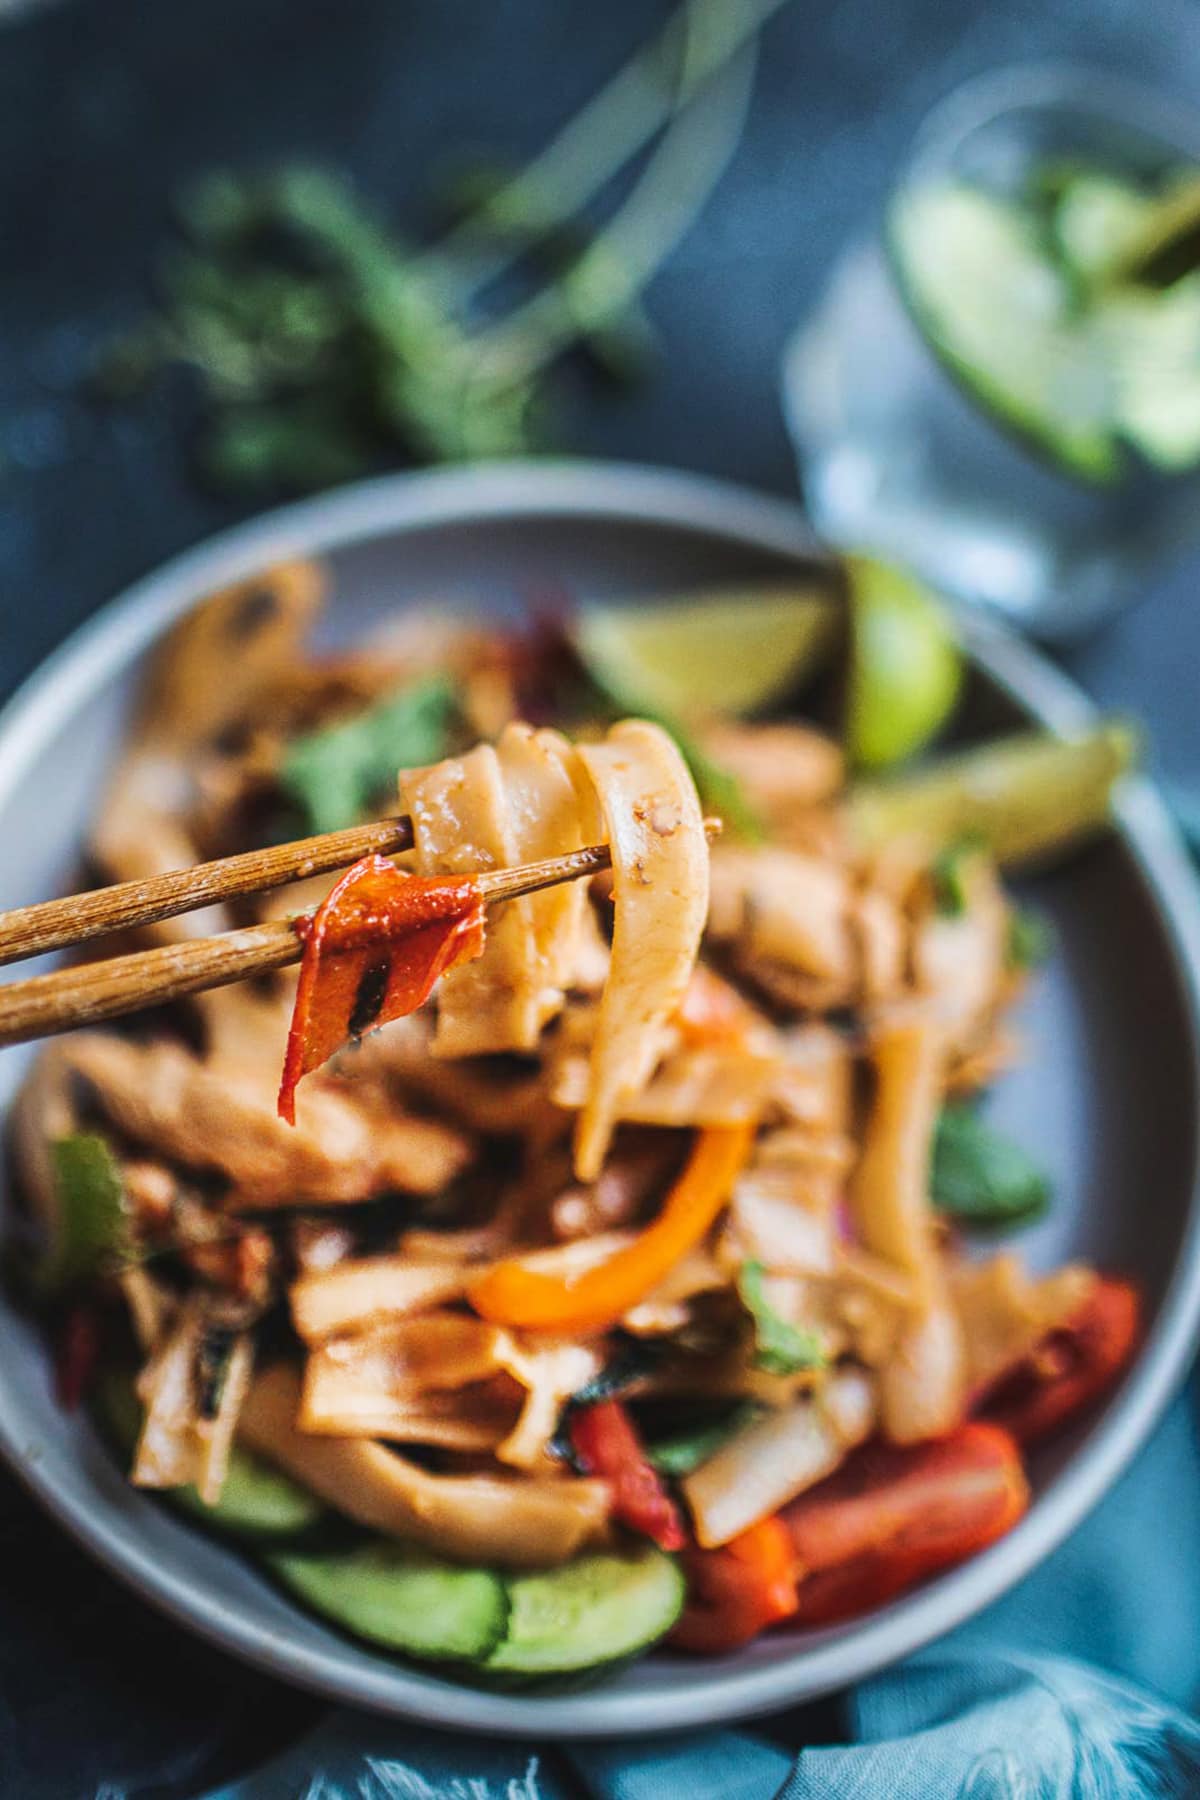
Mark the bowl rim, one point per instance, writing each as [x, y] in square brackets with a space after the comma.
[623, 494]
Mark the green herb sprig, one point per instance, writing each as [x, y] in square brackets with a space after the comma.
[321, 344]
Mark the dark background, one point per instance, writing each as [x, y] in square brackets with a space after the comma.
[105, 107]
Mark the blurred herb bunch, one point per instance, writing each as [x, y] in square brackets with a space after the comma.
[321, 345]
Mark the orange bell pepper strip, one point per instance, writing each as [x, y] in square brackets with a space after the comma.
[1070, 1368]
[513, 1293]
[737, 1591]
[893, 1514]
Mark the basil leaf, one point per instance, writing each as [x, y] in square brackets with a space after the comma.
[91, 1226]
[679, 1455]
[335, 775]
[781, 1348]
[981, 1177]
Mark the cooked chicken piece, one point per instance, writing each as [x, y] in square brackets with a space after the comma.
[786, 918]
[786, 771]
[347, 1148]
[782, 906]
[480, 1518]
[213, 665]
[654, 826]
[209, 673]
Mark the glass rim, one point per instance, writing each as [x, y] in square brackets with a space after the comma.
[1048, 87]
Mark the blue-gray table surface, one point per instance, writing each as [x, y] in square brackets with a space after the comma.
[105, 107]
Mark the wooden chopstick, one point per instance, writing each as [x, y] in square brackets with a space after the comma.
[92, 992]
[89, 993]
[53, 924]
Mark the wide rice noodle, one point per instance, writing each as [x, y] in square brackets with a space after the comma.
[660, 886]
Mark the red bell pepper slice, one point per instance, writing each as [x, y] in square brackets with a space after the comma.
[1070, 1368]
[892, 1515]
[606, 1444]
[737, 1591]
[372, 952]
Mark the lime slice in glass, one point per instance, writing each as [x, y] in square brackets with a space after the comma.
[727, 651]
[997, 311]
[905, 665]
[1153, 341]
[1096, 220]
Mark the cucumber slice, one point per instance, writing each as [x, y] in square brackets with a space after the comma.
[400, 1599]
[1096, 220]
[998, 312]
[905, 666]
[594, 1610]
[257, 1501]
[728, 651]
[1154, 343]
[1025, 796]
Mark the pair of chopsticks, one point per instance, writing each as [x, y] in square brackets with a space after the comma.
[91, 992]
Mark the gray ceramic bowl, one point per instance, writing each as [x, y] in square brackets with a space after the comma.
[1107, 1099]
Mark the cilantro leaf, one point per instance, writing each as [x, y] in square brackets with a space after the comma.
[781, 1348]
[335, 775]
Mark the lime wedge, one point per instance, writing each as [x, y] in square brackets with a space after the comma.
[1028, 797]
[730, 651]
[997, 311]
[1096, 220]
[905, 665]
[1153, 339]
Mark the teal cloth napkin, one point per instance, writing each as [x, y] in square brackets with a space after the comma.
[1075, 1686]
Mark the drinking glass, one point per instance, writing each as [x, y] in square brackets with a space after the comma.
[904, 451]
